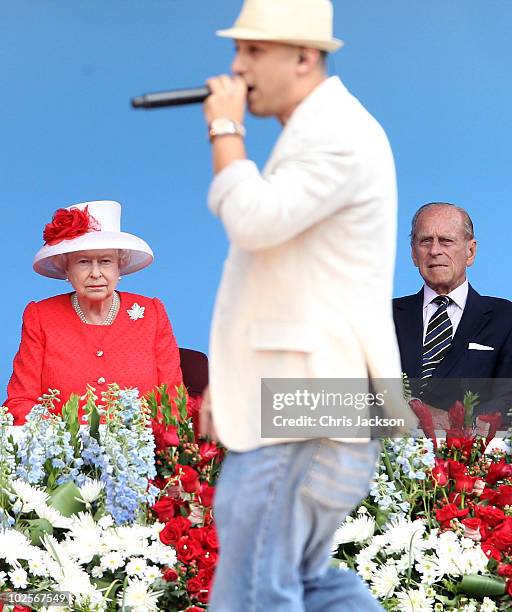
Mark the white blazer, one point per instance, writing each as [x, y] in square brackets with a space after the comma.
[307, 285]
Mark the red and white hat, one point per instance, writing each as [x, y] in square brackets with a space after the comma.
[85, 227]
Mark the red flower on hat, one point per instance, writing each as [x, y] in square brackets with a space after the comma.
[68, 224]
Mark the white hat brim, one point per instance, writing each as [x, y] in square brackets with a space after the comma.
[141, 254]
[332, 44]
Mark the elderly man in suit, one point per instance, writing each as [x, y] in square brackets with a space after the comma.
[452, 339]
[305, 292]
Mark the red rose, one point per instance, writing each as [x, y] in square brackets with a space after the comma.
[203, 596]
[449, 512]
[164, 509]
[189, 478]
[498, 471]
[165, 436]
[464, 483]
[68, 224]
[503, 496]
[490, 514]
[211, 540]
[457, 442]
[490, 551]
[456, 469]
[174, 530]
[187, 549]
[194, 585]
[18, 608]
[456, 415]
[505, 569]
[502, 536]
[206, 494]
[194, 609]
[440, 472]
[170, 575]
[209, 450]
[509, 587]
[198, 534]
[206, 577]
[207, 560]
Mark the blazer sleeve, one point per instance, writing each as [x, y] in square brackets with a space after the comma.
[261, 212]
[24, 387]
[167, 352]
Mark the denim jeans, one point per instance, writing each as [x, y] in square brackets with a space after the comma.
[276, 510]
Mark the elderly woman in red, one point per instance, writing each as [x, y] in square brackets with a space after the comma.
[94, 335]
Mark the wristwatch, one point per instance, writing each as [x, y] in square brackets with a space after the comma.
[222, 126]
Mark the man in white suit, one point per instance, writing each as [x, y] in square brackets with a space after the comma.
[305, 293]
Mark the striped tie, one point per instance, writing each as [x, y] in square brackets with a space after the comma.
[437, 339]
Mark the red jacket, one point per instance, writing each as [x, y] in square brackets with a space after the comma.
[59, 351]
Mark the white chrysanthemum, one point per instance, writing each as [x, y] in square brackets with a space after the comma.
[3, 578]
[431, 539]
[38, 566]
[53, 516]
[377, 543]
[106, 521]
[14, 545]
[450, 554]
[29, 496]
[152, 573]
[137, 598]
[68, 574]
[97, 572]
[355, 530]
[414, 600]
[430, 568]
[112, 561]
[474, 561]
[385, 580]
[488, 605]
[405, 535]
[91, 490]
[19, 578]
[159, 553]
[136, 567]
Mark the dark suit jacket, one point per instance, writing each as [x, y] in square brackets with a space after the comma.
[486, 321]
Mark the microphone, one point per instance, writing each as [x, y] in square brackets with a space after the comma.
[175, 97]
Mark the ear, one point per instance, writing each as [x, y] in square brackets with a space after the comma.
[307, 60]
[414, 258]
[471, 253]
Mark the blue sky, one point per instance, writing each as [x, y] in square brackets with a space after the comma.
[436, 74]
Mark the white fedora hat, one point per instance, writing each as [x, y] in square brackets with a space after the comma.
[85, 227]
[305, 23]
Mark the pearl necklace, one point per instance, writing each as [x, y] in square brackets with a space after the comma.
[114, 308]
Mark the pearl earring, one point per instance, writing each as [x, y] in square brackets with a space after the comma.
[67, 279]
[120, 278]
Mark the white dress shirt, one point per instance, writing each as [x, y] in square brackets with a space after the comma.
[455, 309]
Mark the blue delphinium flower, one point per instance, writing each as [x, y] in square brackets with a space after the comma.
[128, 462]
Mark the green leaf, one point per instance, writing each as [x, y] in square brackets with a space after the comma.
[481, 586]
[70, 416]
[38, 528]
[63, 499]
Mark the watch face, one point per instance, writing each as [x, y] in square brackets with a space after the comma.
[223, 125]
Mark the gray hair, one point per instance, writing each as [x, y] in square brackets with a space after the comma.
[61, 261]
[469, 233]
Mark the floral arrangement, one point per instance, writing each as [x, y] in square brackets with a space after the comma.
[187, 468]
[435, 532]
[74, 505]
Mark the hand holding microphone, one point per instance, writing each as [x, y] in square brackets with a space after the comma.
[192, 95]
[175, 97]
